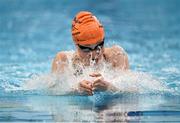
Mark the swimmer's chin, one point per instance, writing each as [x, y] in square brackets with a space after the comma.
[94, 62]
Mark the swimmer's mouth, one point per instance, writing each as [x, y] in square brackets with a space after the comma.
[95, 60]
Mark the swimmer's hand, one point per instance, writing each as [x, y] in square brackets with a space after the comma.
[99, 84]
[85, 87]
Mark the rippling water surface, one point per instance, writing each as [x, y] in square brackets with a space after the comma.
[32, 32]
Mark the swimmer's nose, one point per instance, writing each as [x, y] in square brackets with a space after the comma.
[94, 52]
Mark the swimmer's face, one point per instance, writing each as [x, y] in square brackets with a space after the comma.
[92, 52]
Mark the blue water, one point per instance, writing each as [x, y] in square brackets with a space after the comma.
[32, 32]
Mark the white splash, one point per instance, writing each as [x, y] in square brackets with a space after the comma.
[125, 81]
[64, 83]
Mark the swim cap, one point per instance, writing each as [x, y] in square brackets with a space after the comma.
[86, 29]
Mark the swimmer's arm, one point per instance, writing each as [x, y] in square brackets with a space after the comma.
[59, 63]
[100, 84]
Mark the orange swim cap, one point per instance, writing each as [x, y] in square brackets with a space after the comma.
[86, 29]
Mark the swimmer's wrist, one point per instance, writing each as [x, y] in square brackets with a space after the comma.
[111, 88]
[76, 90]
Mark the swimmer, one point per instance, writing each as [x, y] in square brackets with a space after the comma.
[88, 36]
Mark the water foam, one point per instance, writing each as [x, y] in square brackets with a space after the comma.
[64, 83]
[125, 81]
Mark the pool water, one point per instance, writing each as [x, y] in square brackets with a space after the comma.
[32, 32]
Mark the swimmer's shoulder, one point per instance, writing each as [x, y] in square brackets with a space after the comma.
[60, 60]
[115, 50]
[62, 56]
[117, 56]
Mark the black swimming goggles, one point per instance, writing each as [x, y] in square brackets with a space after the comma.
[92, 47]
